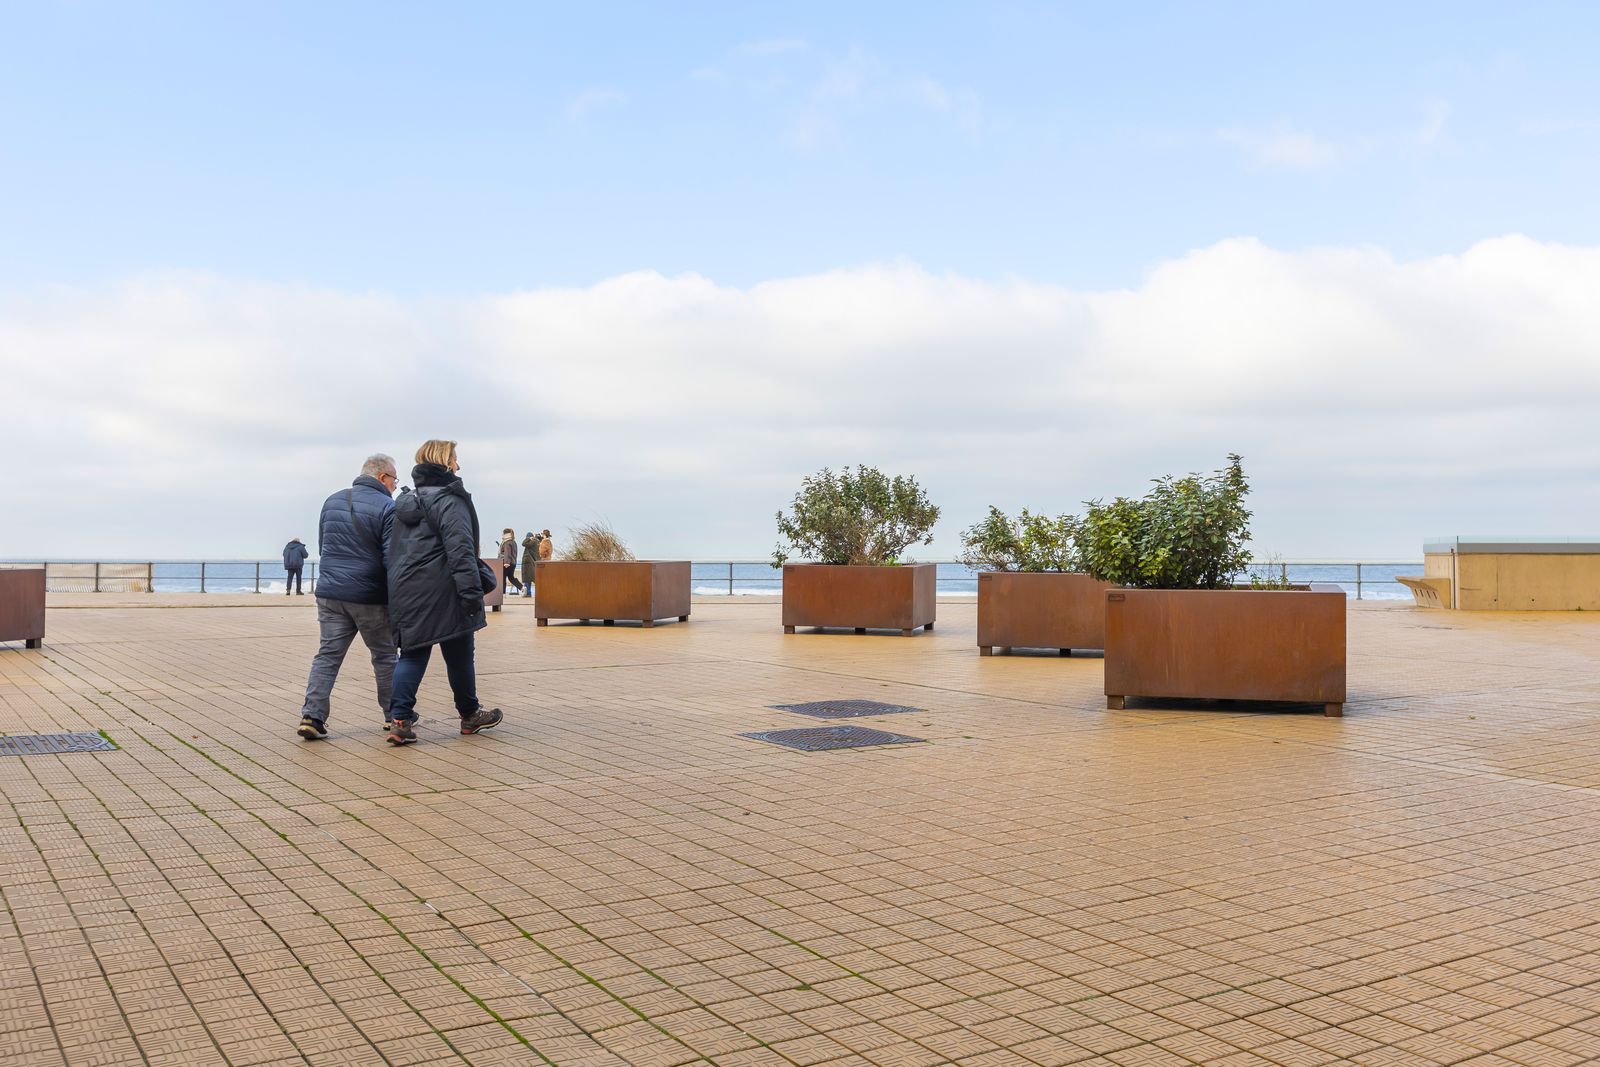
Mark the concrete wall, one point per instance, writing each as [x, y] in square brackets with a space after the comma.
[1523, 581]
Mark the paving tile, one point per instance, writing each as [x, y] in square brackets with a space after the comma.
[614, 877]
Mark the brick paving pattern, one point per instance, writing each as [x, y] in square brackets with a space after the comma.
[616, 876]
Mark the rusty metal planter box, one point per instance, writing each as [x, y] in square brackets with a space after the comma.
[860, 598]
[1227, 644]
[645, 590]
[494, 600]
[1021, 609]
[22, 605]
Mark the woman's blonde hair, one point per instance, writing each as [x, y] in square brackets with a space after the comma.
[441, 452]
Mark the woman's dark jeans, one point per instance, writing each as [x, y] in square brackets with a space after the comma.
[413, 664]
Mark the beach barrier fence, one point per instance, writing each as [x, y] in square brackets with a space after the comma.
[1361, 579]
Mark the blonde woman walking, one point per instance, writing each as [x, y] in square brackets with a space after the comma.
[436, 589]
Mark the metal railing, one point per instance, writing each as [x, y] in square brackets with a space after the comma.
[728, 577]
[758, 576]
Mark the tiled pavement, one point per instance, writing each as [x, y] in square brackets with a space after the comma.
[616, 876]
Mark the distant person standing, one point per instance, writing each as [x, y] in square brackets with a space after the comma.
[508, 560]
[547, 547]
[436, 588]
[353, 591]
[530, 556]
[294, 558]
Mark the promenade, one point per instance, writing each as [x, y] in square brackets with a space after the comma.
[616, 876]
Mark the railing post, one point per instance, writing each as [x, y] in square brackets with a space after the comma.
[730, 578]
[258, 576]
[1284, 572]
[97, 576]
[202, 576]
[1358, 581]
[149, 577]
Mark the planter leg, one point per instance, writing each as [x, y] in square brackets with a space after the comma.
[611, 622]
[985, 650]
[929, 628]
[683, 618]
[33, 642]
[1066, 651]
[1116, 703]
[788, 629]
[861, 629]
[543, 622]
[1333, 711]
[495, 608]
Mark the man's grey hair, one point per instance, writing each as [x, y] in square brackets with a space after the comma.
[377, 464]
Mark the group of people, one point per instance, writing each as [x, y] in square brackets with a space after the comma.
[405, 575]
[535, 547]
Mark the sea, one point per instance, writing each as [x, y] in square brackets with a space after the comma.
[710, 577]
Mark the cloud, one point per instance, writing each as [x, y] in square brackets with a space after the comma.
[1283, 147]
[594, 99]
[1434, 118]
[1376, 401]
[859, 84]
[770, 46]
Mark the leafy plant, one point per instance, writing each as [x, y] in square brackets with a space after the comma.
[859, 516]
[1186, 533]
[1028, 542]
[1271, 575]
[596, 542]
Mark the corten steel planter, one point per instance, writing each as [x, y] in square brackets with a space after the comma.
[1227, 644]
[860, 598]
[493, 601]
[645, 590]
[22, 605]
[1040, 609]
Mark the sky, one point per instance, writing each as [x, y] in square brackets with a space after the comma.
[655, 263]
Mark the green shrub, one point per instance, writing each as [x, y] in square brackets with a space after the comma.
[858, 516]
[1028, 542]
[1187, 533]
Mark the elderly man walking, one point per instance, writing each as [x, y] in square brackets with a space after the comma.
[353, 588]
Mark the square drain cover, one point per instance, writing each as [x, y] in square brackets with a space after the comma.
[845, 709]
[823, 738]
[52, 744]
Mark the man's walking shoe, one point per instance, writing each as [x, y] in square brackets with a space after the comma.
[401, 733]
[480, 720]
[312, 729]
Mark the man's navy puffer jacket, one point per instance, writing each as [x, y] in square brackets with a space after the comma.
[355, 555]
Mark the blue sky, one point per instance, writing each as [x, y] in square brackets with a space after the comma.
[657, 262]
[420, 150]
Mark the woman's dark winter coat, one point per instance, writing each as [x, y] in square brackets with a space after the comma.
[530, 556]
[435, 592]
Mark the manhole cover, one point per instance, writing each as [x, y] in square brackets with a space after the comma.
[845, 709]
[823, 738]
[52, 744]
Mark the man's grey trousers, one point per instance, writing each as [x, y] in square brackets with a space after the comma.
[340, 621]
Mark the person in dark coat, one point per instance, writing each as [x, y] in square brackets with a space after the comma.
[436, 590]
[508, 560]
[530, 556]
[353, 589]
[294, 558]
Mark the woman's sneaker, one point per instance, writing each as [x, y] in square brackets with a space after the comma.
[312, 729]
[480, 720]
[401, 733]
